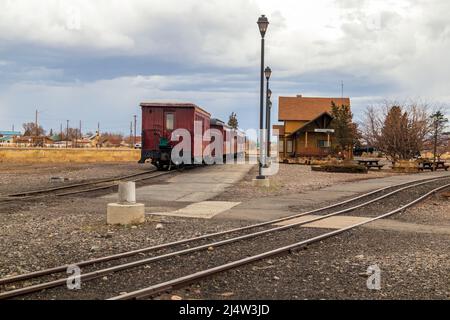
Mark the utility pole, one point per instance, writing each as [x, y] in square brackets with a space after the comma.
[60, 132]
[67, 135]
[436, 127]
[36, 124]
[135, 130]
[80, 137]
[12, 128]
[131, 134]
[98, 129]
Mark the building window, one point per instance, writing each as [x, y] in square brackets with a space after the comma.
[170, 121]
[289, 146]
[281, 146]
[323, 144]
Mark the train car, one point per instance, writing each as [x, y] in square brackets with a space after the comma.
[159, 121]
[230, 149]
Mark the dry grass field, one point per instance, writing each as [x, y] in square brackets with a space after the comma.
[33, 156]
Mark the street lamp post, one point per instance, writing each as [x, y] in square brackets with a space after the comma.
[268, 74]
[263, 24]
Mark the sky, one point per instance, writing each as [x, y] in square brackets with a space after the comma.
[96, 60]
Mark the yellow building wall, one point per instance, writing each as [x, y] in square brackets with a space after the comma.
[313, 139]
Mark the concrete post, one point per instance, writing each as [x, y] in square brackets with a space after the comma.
[127, 211]
[127, 192]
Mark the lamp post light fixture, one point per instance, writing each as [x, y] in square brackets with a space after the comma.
[268, 74]
[268, 123]
[263, 24]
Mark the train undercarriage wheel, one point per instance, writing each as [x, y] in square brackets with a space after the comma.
[164, 166]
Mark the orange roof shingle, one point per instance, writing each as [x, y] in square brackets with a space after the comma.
[306, 108]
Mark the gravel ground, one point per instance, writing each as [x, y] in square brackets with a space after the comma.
[385, 205]
[413, 266]
[45, 235]
[60, 231]
[178, 266]
[293, 179]
[37, 176]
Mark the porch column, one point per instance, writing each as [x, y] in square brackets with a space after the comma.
[329, 141]
[285, 147]
[294, 145]
[306, 139]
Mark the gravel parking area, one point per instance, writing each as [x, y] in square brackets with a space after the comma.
[292, 179]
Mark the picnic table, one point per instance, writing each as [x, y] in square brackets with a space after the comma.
[370, 163]
[430, 165]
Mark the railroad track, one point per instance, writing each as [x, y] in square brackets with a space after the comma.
[415, 191]
[79, 188]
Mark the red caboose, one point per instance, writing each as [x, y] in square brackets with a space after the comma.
[160, 120]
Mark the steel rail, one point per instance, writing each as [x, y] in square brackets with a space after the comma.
[127, 254]
[23, 196]
[121, 267]
[183, 281]
[29, 193]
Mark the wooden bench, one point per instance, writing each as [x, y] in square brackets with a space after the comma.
[428, 165]
[369, 164]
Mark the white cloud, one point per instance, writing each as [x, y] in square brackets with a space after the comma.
[403, 44]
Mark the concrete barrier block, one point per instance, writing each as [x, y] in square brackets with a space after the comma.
[261, 183]
[125, 214]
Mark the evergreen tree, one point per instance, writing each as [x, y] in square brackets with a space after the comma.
[346, 131]
[233, 121]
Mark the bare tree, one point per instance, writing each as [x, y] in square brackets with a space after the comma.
[399, 131]
[30, 129]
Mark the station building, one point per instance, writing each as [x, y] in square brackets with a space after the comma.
[306, 130]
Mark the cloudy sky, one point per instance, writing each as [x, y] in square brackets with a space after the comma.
[96, 60]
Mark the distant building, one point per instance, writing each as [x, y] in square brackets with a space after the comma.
[34, 141]
[10, 134]
[306, 130]
[7, 137]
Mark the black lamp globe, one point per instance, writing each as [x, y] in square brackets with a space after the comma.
[263, 24]
[268, 73]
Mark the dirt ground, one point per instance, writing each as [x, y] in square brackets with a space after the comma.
[26, 177]
[292, 179]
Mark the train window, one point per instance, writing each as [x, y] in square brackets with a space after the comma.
[170, 121]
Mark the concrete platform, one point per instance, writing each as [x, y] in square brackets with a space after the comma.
[198, 185]
[201, 210]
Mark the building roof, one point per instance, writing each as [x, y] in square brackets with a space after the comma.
[306, 108]
[280, 129]
[10, 133]
[174, 105]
